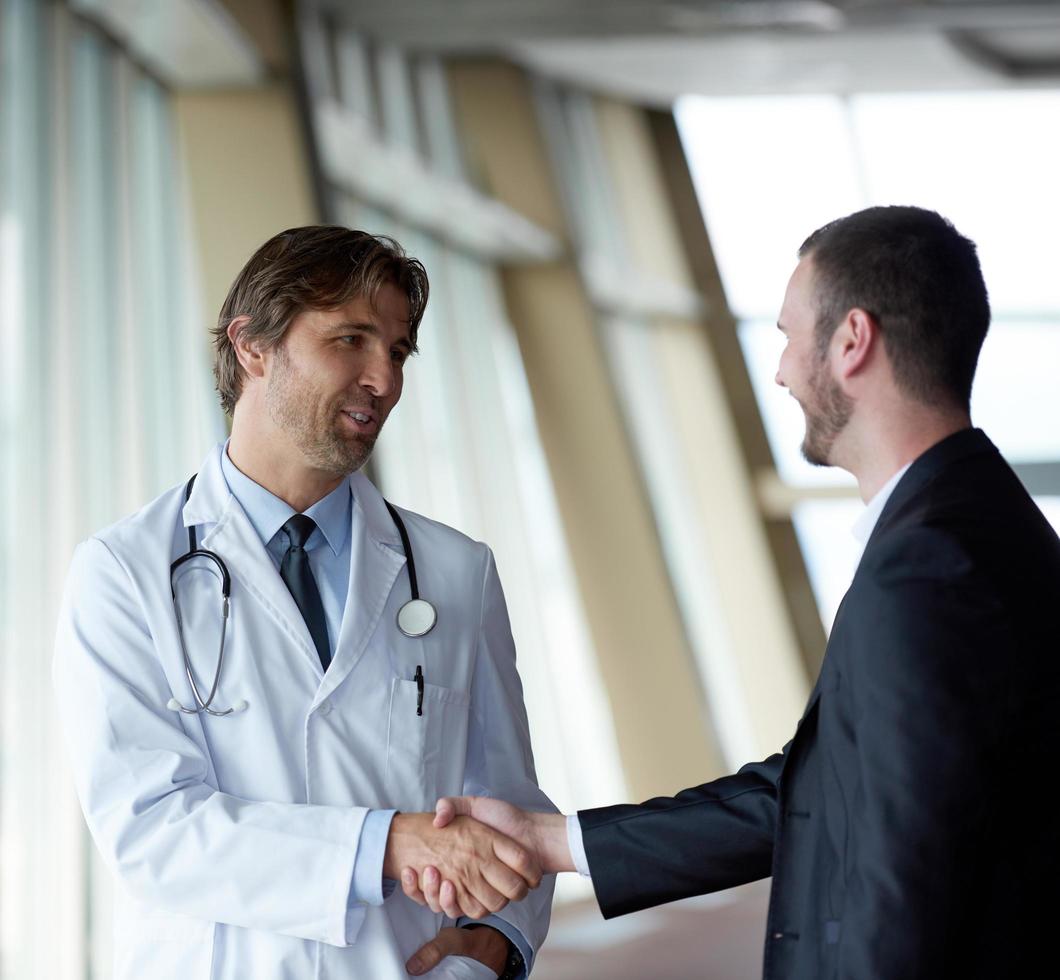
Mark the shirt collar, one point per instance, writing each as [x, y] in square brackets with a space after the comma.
[268, 513]
[867, 519]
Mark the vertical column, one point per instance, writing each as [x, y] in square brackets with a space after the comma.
[664, 735]
[704, 495]
[721, 336]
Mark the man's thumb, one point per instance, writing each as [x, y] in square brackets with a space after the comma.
[449, 807]
[427, 957]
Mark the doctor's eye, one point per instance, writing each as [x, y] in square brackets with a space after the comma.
[398, 355]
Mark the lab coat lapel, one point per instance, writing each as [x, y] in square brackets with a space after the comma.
[230, 534]
[376, 561]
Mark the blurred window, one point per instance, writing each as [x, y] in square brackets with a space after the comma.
[769, 171]
[101, 342]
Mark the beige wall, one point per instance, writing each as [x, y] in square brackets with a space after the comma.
[247, 176]
[757, 640]
[720, 335]
[664, 734]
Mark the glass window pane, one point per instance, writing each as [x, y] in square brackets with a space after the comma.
[825, 532]
[1016, 398]
[768, 171]
[983, 159]
[986, 160]
[1050, 507]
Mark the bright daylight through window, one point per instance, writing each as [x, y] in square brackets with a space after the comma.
[770, 170]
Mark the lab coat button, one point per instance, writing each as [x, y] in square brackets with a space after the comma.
[325, 708]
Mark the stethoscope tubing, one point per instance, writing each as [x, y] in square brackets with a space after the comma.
[420, 628]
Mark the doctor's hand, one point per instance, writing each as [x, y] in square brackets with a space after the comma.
[481, 943]
[544, 835]
[485, 869]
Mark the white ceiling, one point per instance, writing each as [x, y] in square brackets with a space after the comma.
[655, 50]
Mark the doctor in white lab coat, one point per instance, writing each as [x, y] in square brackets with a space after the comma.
[263, 844]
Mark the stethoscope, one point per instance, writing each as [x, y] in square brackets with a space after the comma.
[415, 618]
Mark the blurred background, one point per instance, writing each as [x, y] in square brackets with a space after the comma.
[608, 197]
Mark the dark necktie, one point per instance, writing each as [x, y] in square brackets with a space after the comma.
[298, 577]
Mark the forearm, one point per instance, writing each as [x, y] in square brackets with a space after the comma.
[704, 839]
[549, 841]
[208, 855]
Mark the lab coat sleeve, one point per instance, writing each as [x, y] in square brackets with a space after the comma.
[174, 841]
[500, 760]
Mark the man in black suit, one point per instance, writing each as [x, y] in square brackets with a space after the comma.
[910, 825]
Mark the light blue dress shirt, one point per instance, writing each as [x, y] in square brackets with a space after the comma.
[328, 548]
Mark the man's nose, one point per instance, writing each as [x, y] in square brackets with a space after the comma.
[377, 375]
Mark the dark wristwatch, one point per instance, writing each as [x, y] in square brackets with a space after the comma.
[514, 966]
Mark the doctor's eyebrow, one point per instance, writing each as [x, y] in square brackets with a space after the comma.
[338, 329]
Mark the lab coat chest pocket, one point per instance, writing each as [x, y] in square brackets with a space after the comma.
[425, 752]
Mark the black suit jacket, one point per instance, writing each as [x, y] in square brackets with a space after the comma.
[911, 825]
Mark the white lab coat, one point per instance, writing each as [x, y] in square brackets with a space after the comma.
[233, 839]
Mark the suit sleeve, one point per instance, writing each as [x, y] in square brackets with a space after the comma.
[704, 839]
[173, 840]
[500, 761]
[926, 681]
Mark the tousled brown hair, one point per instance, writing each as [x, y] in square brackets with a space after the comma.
[318, 267]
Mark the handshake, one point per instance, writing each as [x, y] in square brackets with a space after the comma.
[475, 855]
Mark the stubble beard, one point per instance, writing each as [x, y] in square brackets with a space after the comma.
[296, 407]
[826, 416]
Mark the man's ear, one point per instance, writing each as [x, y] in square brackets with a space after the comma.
[854, 344]
[247, 351]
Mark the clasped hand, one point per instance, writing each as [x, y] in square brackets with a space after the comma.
[513, 847]
[430, 884]
[484, 869]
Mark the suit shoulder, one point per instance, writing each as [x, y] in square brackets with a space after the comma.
[927, 551]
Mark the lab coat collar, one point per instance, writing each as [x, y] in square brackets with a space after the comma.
[376, 560]
[225, 528]
[211, 498]
[268, 513]
[377, 520]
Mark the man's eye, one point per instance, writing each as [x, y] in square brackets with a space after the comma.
[398, 356]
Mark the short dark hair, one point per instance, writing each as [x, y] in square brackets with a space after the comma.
[920, 280]
[318, 267]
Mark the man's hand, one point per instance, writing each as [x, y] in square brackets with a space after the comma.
[482, 943]
[484, 869]
[543, 835]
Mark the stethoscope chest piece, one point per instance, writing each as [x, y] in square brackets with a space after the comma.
[416, 618]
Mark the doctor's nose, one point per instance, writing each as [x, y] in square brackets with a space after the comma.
[378, 376]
